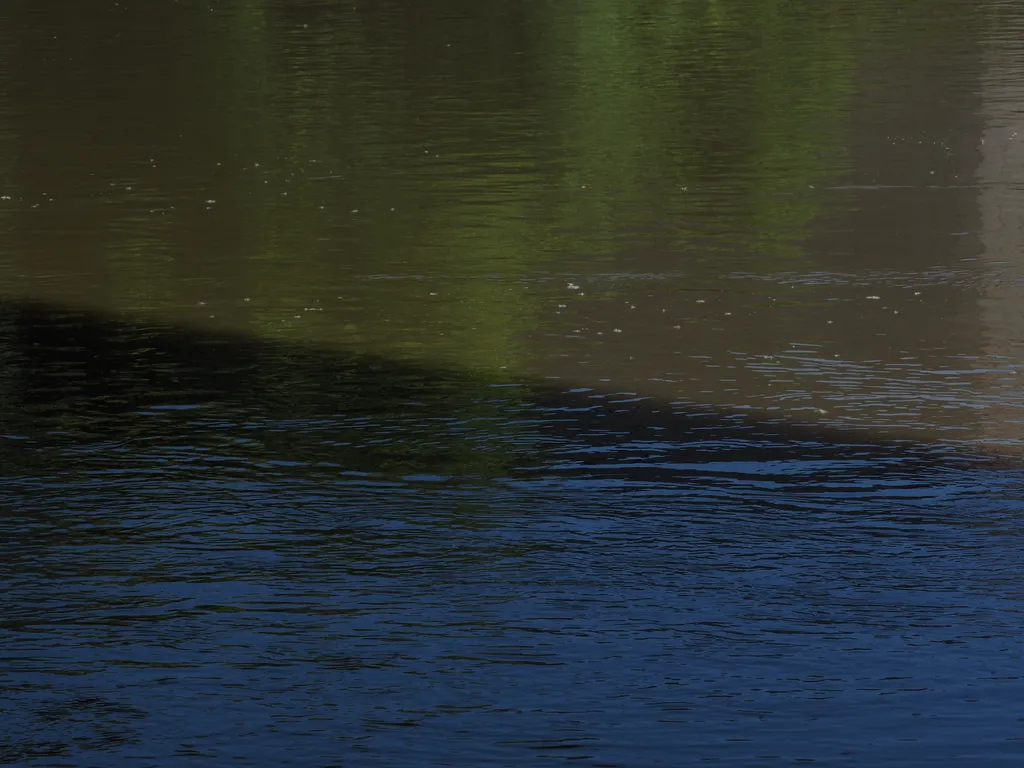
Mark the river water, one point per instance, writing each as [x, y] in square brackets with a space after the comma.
[467, 384]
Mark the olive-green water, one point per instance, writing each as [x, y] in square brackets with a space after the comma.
[451, 383]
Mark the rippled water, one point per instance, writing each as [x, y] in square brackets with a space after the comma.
[469, 384]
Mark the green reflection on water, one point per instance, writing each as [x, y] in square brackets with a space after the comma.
[456, 151]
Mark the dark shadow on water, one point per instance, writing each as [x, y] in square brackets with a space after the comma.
[164, 488]
[86, 387]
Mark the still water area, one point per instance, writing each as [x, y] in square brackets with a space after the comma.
[464, 383]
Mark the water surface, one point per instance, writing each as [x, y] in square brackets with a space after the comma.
[470, 384]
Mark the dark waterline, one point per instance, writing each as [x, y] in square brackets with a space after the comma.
[384, 384]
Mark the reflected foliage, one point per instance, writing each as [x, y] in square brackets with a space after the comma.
[284, 151]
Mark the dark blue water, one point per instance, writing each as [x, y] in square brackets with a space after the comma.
[394, 384]
[218, 582]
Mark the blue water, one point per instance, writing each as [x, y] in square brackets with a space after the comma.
[391, 383]
[177, 593]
